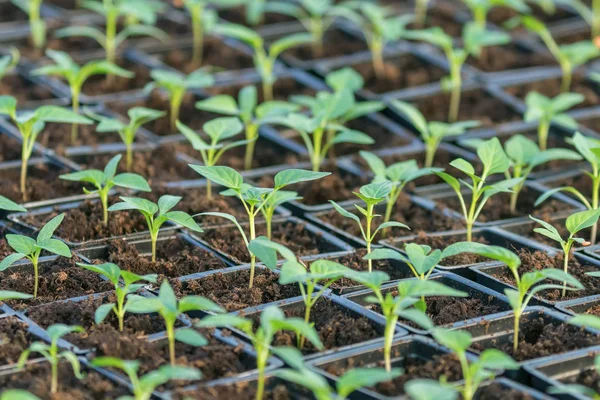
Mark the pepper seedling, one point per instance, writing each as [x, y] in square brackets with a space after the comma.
[378, 26]
[31, 249]
[278, 199]
[77, 75]
[30, 124]
[474, 39]
[320, 272]
[421, 259]
[247, 109]
[524, 156]
[432, 132]
[253, 199]
[37, 25]
[480, 9]
[157, 214]
[347, 383]
[474, 372]
[9, 62]
[574, 223]
[569, 56]
[114, 274]
[138, 116]
[494, 161]
[272, 321]
[589, 148]
[372, 194]
[264, 60]
[52, 355]
[9, 205]
[203, 20]
[143, 387]
[105, 180]
[399, 174]
[545, 111]
[176, 85]
[218, 131]
[112, 10]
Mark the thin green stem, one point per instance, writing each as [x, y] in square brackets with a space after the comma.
[543, 130]
[516, 323]
[261, 364]
[54, 373]
[456, 93]
[198, 34]
[376, 45]
[176, 100]
[567, 75]
[128, 156]
[595, 204]
[595, 18]
[390, 328]
[35, 262]
[251, 135]
[567, 252]
[171, 338]
[368, 234]
[75, 105]
[420, 12]
[104, 200]
[252, 256]
[154, 238]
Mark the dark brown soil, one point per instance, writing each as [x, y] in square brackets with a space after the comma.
[336, 327]
[42, 184]
[72, 45]
[14, 338]
[36, 379]
[84, 223]
[237, 15]
[58, 280]
[474, 105]
[551, 88]
[336, 43]
[238, 391]
[501, 15]
[592, 123]
[231, 290]
[538, 338]
[283, 88]
[99, 85]
[414, 367]
[573, 37]
[58, 137]
[593, 310]
[581, 182]
[442, 15]
[539, 260]
[526, 230]
[22, 89]
[291, 234]
[11, 13]
[496, 391]
[10, 149]
[5, 249]
[588, 378]
[511, 56]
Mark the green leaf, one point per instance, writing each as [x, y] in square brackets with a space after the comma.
[12, 295]
[57, 331]
[166, 203]
[344, 212]
[428, 389]
[497, 360]
[292, 176]
[586, 320]
[134, 203]
[102, 312]
[60, 114]
[450, 180]
[225, 320]
[184, 219]
[457, 341]
[413, 114]
[582, 220]
[223, 128]
[132, 181]
[9, 260]
[493, 157]
[17, 394]
[376, 191]
[288, 42]
[345, 78]
[191, 337]
[47, 230]
[494, 252]
[21, 244]
[224, 176]
[55, 246]
[9, 205]
[8, 106]
[358, 378]
[199, 303]
[109, 270]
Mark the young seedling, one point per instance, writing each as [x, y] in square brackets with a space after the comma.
[590, 150]
[31, 249]
[545, 110]
[399, 174]
[575, 223]
[36, 24]
[114, 274]
[278, 199]
[421, 259]
[51, 353]
[272, 321]
[569, 56]
[480, 9]
[264, 60]
[9, 205]
[112, 10]
[30, 124]
[176, 85]
[372, 194]
[218, 131]
[76, 76]
[104, 181]
[591, 15]
[157, 214]
[9, 62]
[143, 387]
[378, 27]
[524, 156]
[138, 116]
[169, 308]
[474, 39]
[323, 273]
[494, 161]
[247, 109]
[432, 132]
[252, 198]
[347, 383]
[203, 21]
[474, 373]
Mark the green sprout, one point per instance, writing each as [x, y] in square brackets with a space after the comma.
[9, 205]
[432, 132]
[575, 223]
[252, 114]
[218, 131]
[52, 355]
[169, 308]
[474, 39]
[157, 214]
[481, 8]
[272, 321]
[104, 181]
[115, 275]
[30, 124]
[545, 110]
[264, 60]
[176, 85]
[253, 199]
[143, 387]
[9, 62]
[494, 161]
[569, 56]
[372, 194]
[76, 76]
[203, 21]
[36, 24]
[138, 116]
[31, 249]
[524, 156]
[421, 259]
